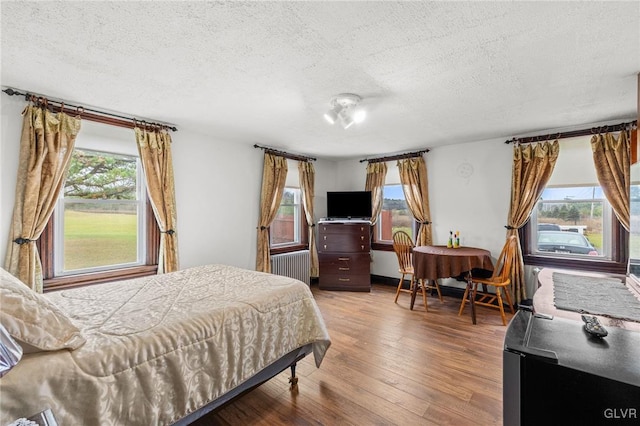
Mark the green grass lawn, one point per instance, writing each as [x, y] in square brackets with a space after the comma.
[97, 239]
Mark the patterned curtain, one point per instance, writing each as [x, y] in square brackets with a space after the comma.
[307, 184]
[155, 154]
[46, 146]
[413, 176]
[611, 158]
[376, 174]
[274, 176]
[532, 168]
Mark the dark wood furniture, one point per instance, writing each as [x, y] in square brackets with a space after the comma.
[433, 262]
[344, 255]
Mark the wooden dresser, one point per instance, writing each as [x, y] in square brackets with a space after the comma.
[344, 255]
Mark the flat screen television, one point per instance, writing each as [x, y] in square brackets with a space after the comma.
[349, 205]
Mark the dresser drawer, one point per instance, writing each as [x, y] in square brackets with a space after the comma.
[344, 228]
[345, 263]
[348, 283]
[343, 243]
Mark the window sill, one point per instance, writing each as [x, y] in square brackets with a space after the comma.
[71, 281]
[382, 246]
[605, 266]
[289, 249]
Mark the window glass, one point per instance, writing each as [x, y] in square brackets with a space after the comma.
[287, 226]
[100, 214]
[572, 221]
[395, 214]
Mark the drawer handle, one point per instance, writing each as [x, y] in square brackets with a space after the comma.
[362, 237]
[362, 228]
[344, 279]
[325, 238]
[325, 246]
[343, 269]
[362, 247]
[340, 258]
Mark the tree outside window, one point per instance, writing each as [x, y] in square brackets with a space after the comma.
[100, 215]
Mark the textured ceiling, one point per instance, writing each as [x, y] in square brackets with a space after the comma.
[430, 73]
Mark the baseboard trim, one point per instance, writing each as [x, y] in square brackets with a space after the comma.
[444, 289]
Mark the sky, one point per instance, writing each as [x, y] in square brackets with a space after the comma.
[393, 192]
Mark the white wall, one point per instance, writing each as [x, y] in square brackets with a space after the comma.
[477, 205]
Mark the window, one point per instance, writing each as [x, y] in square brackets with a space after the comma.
[572, 225]
[101, 222]
[572, 222]
[395, 215]
[289, 228]
[100, 214]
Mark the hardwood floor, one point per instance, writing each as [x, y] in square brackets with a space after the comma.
[387, 365]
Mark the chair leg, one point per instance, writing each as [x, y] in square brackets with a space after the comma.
[438, 290]
[500, 305]
[464, 300]
[508, 296]
[399, 288]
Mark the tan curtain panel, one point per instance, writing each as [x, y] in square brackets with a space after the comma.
[532, 168]
[307, 175]
[274, 176]
[376, 174]
[413, 176]
[46, 146]
[154, 148]
[611, 158]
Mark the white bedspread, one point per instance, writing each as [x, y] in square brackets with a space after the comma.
[159, 348]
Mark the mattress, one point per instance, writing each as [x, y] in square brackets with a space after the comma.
[159, 348]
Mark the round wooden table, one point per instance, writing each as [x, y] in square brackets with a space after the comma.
[433, 262]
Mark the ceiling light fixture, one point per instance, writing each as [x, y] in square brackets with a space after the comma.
[344, 108]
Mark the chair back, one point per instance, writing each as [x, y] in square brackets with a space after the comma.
[507, 258]
[403, 246]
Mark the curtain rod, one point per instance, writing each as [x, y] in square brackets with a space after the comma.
[574, 133]
[284, 154]
[395, 157]
[88, 113]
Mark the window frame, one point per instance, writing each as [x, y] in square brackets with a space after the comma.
[304, 231]
[46, 246]
[387, 245]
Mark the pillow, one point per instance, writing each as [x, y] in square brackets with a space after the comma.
[34, 321]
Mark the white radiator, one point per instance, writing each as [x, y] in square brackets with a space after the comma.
[294, 265]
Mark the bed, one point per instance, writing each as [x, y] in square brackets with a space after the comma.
[157, 350]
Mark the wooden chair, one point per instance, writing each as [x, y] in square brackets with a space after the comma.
[500, 280]
[403, 246]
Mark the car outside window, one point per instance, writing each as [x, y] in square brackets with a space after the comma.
[572, 221]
